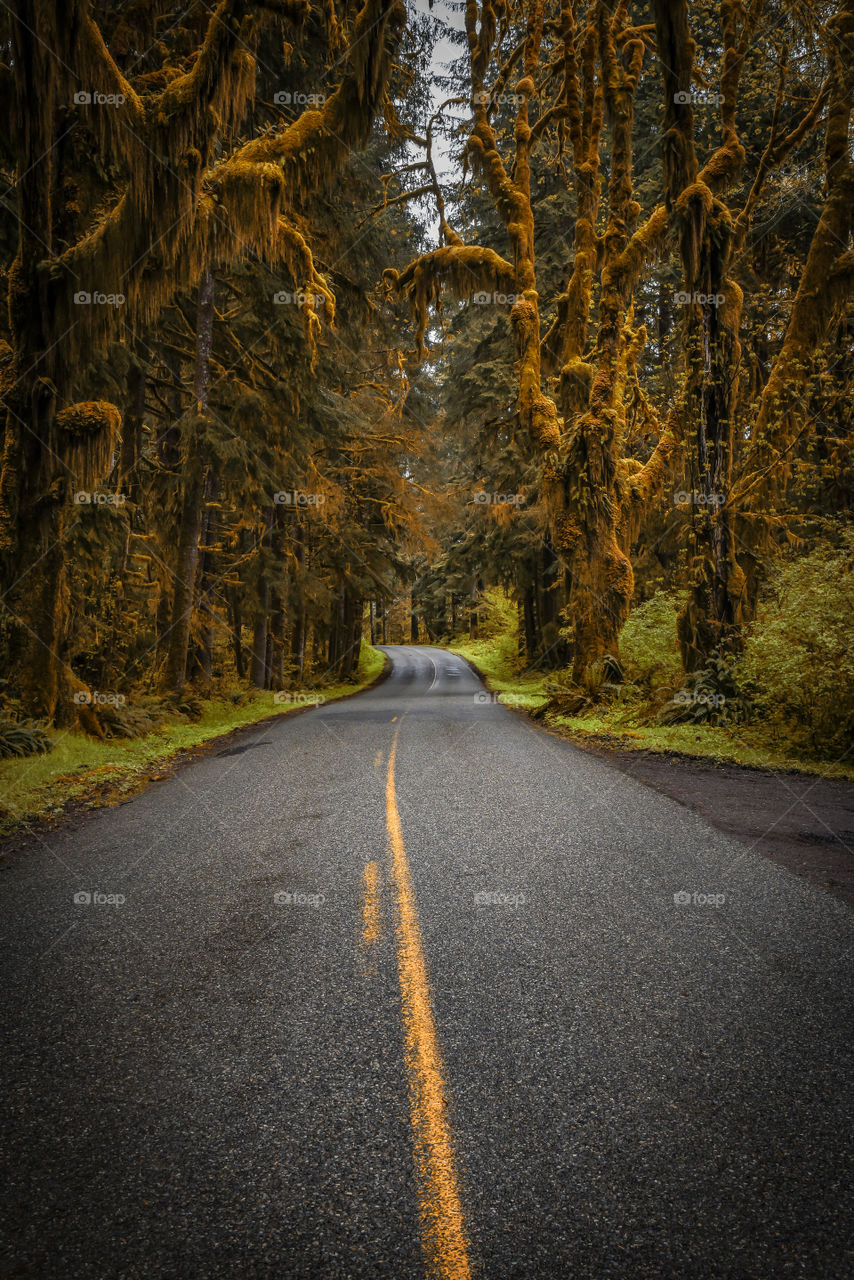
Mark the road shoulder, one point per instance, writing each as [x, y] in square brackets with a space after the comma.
[801, 821]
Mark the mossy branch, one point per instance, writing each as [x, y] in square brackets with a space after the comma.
[460, 268]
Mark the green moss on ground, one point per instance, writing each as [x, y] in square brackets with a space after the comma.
[84, 771]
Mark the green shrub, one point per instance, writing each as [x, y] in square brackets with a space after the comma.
[649, 648]
[713, 695]
[496, 615]
[798, 655]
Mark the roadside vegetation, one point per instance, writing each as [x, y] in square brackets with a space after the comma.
[775, 706]
[82, 771]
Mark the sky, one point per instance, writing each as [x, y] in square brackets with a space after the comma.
[444, 52]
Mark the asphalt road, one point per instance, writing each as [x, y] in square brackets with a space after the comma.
[407, 987]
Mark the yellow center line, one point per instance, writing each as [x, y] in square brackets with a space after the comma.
[371, 906]
[443, 1228]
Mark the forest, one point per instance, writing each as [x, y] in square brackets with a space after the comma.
[518, 326]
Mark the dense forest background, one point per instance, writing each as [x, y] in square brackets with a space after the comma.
[316, 338]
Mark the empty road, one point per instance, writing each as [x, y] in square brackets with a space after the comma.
[406, 987]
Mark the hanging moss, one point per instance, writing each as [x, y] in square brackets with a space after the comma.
[599, 571]
[89, 418]
[92, 431]
[824, 283]
[461, 269]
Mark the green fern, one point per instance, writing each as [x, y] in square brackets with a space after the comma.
[22, 740]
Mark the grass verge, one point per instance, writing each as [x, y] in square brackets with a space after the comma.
[84, 773]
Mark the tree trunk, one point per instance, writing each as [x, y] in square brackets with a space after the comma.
[132, 433]
[298, 645]
[236, 633]
[118, 595]
[195, 486]
[702, 225]
[587, 514]
[259, 671]
[278, 640]
[353, 636]
[184, 590]
[473, 615]
[207, 576]
[530, 630]
[35, 495]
